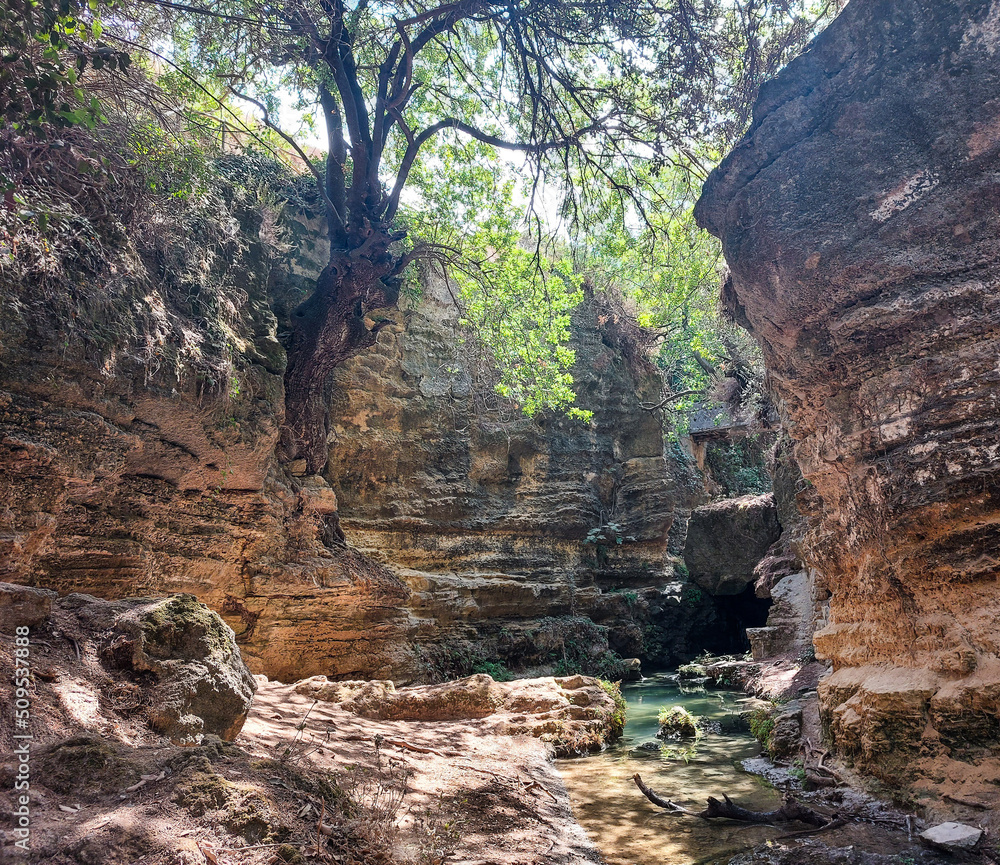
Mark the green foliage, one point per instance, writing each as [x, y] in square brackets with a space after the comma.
[667, 270]
[516, 306]
[520, 316]
[739, 467]
[496, 669]
[599, 98]
[45, 47]
[575, 661]
[677, 718]
[692, 595]
[620, 715]
[681, 731]
[608, 534]
[761, 724]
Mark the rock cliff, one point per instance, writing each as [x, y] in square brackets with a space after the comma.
[511, 533]
[139, 410]
[859, 218]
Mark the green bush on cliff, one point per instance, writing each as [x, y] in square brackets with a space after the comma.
[620, 714]
[496, 669]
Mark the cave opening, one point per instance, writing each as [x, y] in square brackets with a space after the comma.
[733, 615]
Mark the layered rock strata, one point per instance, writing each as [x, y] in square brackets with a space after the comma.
[859, 220]
[504, 527]
[138, 419]
[139, 409]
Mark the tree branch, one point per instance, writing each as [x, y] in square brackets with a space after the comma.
[336, 160]
[392, 202]
[294, 145]
[669, 398]
[791, 809]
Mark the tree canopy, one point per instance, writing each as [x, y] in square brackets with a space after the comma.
[599, 102]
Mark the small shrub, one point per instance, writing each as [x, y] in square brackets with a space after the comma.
[677, 721]
[761, 725]
[620, 715]
[692, 595]
[439, 830]
[496, 669]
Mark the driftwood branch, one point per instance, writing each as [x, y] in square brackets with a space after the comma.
[659, 801]
[669, 398]
[729, 810]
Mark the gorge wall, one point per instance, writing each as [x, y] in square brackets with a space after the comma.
[139, 409]
[140, 401]
[508, 530]
[860, 218]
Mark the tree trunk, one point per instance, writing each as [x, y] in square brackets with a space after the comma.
[329, 328]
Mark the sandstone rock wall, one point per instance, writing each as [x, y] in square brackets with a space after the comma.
[138, 417]
[860, 219]
[498, 522]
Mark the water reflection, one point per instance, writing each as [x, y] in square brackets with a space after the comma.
[630, 830]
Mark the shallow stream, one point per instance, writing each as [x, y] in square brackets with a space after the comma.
[629, 829]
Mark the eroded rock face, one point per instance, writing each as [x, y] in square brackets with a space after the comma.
[138, 418]
[859, 220]
[499, 523]
[142, 463]
[575, 714]
[726, 541]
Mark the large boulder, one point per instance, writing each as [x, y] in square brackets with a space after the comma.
[726, 540]
[23, 607]
[202, 684]
[574, 714]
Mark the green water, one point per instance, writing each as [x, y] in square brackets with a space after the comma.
[628, 828]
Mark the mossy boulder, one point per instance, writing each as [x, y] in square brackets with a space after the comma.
[84, 764]
[243, 809]
[202, 684]
[676, 721]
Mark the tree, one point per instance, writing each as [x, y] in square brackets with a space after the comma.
[46, 47]
[584, 90]
[581, 88]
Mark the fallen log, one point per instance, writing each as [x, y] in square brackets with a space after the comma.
[729, 810]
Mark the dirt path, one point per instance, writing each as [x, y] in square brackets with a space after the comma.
[106, 790]
[479, 798]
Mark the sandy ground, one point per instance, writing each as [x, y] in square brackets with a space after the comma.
[106, 790]
[501, 794]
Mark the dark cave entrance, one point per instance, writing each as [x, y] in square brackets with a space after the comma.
[733, 615]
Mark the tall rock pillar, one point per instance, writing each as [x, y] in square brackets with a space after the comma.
[860, 217]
